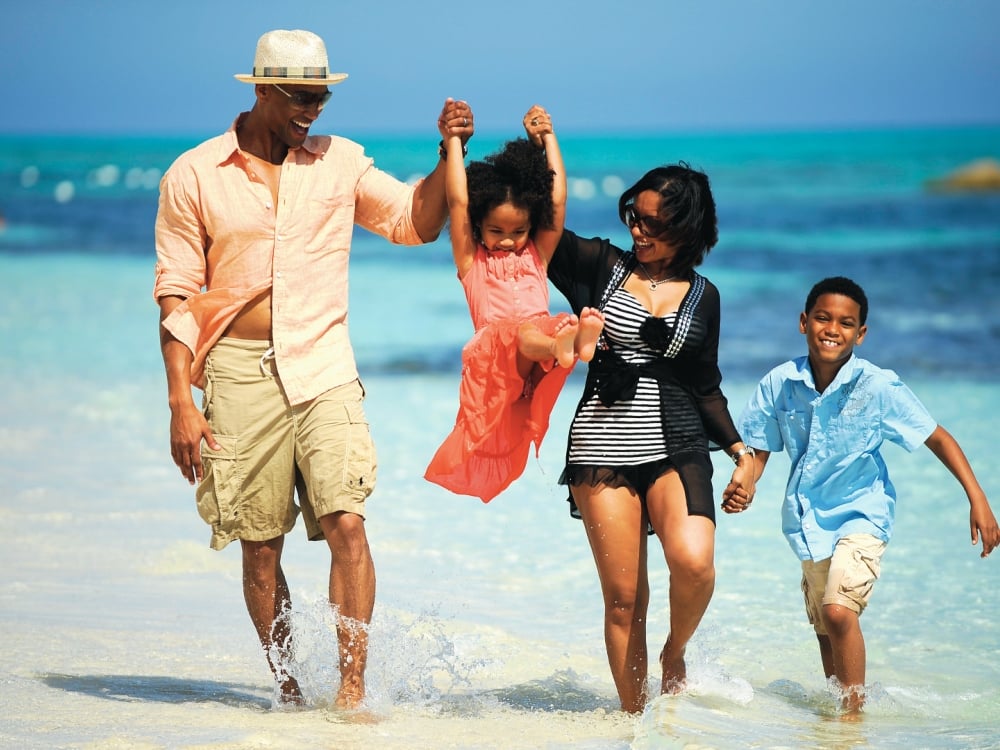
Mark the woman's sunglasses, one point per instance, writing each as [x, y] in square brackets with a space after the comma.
[648, 226]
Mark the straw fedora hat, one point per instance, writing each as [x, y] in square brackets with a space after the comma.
[291, 57]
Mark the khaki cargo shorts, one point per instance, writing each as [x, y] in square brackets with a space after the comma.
[270, 451]
[847, 578]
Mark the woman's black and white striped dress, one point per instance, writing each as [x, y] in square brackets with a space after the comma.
[627, 432]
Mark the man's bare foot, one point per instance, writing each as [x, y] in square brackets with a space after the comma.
[564, 346]
[289, 693]
[351, 693]
[674, 670]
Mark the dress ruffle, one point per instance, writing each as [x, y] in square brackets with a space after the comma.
[499, 416]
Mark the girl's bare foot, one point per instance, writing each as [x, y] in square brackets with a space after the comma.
[564, 345]
[591, 325]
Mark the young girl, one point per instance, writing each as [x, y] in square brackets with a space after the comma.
[507, 216]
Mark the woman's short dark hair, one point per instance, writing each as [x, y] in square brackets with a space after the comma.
[518, 174]
[686, 207]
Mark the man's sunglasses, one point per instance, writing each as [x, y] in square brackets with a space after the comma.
[304, 99]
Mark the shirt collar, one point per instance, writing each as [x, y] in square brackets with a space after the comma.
[229, 145]
[804, 373]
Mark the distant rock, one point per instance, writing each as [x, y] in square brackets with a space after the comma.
[980, 175]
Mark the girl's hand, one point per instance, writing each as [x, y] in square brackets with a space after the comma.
[537, 124]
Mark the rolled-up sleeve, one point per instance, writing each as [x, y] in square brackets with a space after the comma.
[385, 207]
[181, 239]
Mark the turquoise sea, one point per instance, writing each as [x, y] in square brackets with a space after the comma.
[122, 629]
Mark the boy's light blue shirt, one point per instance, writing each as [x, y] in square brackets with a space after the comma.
[838, 483]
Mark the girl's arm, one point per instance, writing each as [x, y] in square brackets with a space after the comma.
[982, 522]
[538, 126]
[463, 243]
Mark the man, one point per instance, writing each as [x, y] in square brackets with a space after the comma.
[253, 235]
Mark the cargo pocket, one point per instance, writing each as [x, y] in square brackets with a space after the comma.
[359, 464]
[218, 494]
[873, 565]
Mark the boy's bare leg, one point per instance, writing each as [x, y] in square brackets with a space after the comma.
[591, 325]
[268, 601]
[847, 645]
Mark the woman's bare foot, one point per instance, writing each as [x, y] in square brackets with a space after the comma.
[674, 670]
[564, 344]
[591, 325]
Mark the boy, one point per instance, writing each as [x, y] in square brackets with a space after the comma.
[831, 412]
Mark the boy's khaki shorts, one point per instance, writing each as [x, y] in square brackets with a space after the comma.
[847, 578]
[269, 451]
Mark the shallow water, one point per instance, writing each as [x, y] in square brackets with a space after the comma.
[122, 629]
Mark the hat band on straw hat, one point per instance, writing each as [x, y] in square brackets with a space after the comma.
[276, 72]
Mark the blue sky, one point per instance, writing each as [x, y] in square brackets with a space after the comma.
[138, 67]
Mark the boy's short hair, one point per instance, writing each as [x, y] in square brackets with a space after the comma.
[838, 285]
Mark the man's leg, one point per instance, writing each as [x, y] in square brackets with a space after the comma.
[352, 594]
[268, 602]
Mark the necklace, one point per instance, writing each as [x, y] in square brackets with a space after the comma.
[653, 283]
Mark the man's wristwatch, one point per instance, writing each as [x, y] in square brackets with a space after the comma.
[746, 450]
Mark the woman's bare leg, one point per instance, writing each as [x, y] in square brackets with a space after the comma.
[689, 548]
[616, 529]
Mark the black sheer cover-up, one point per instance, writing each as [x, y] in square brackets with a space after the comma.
[693, 410]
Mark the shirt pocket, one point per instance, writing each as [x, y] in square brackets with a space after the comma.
[852, 434]
[328, 224]
[794, 427]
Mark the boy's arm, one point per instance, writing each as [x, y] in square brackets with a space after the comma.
[739, 493]
[982, 522]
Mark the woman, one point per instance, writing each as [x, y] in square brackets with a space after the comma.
[638, 455]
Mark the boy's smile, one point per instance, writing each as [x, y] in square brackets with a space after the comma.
[832, 329]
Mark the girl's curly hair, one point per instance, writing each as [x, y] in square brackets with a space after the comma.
[518, 174]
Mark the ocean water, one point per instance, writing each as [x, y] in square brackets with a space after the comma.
[123, 630]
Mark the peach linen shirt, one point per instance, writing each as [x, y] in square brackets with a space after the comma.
[221, 241]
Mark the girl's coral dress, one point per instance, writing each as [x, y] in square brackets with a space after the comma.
[499, 414]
